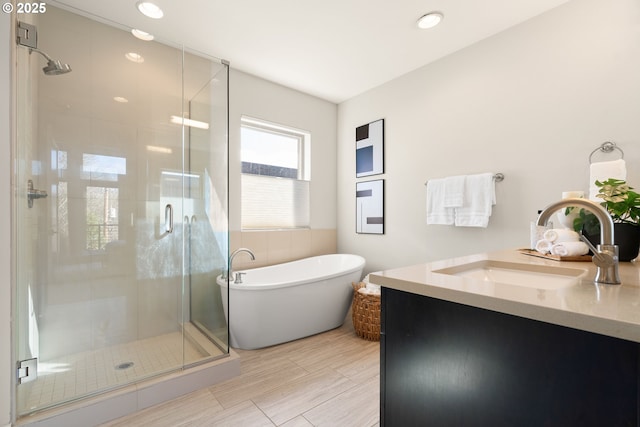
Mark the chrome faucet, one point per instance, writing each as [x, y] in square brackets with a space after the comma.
[605, 256]
[227, 274]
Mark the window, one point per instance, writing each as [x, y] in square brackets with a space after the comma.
[102, 198]
[102, 217]
[275, 176]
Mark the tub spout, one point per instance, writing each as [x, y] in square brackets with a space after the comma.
[226, 274]
[605, 256]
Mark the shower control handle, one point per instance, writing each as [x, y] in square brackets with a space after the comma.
[168, 218]
[33, 194]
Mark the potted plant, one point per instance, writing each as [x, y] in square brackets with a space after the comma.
[623, 204]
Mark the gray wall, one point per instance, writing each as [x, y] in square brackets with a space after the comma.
[531, 102]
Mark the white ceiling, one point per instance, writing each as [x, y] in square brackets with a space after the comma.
[333, 49]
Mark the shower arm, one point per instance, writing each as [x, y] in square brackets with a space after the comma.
[47, 57]
[53, 67]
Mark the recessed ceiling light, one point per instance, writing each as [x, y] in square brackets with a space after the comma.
[134, 57]
[149, 9]
[430, 20]
[142, 35]
[120, 99]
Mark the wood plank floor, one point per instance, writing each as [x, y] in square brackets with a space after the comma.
[330, 379]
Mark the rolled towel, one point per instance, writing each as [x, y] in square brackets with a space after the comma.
[561, 235]
[570, 249]
[373, 287]
[543, 246]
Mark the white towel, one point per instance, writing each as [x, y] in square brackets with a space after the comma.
[602, 171]
[543, 246]
[536, 233]
[437, 213]
[561, 235]
[479, 197]
[370, 289]
[454, 191]
[570, 249]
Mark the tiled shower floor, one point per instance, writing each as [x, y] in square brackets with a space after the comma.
[86, 373]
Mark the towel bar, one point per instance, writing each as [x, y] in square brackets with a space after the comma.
[497, 178]
[606, 147]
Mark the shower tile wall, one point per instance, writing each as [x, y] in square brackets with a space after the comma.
[275, 247]
[128, 291]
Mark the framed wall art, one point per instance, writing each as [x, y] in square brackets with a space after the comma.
[370, 149]
[370, 207]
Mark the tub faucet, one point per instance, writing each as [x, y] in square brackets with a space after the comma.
[605, 256]
[226, 274]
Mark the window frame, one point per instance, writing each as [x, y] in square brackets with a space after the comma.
[303, 139]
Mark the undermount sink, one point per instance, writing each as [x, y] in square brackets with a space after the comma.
[512, 273]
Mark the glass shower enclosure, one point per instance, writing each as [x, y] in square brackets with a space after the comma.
[120, 218]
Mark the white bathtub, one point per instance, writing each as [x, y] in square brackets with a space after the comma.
[288, 301]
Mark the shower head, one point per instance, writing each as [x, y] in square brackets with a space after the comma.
[54, 67]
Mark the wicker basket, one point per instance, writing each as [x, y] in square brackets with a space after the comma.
[365, 313]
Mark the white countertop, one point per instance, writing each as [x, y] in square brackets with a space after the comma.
[612, 310]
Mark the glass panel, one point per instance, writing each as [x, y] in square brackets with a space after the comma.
[208, 243]
[102, 271]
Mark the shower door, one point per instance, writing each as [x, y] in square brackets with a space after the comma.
[120, 213]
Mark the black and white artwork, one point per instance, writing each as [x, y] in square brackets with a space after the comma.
[370, 149]
[370, 207]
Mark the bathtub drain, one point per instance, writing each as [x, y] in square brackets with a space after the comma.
[125, 365]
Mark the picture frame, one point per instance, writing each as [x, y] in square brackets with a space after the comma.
[370, 207]
[370, 149]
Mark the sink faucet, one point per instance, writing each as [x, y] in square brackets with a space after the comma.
[605, 256]
[227, 274]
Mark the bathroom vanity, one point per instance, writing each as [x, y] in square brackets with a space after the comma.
[509, 339]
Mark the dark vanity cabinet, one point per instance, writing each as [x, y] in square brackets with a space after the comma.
[448, 364]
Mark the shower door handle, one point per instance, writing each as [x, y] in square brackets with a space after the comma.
[168, 218]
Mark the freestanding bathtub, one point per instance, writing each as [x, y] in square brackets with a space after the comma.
[284, 302]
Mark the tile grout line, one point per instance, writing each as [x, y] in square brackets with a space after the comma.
[263, 413]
